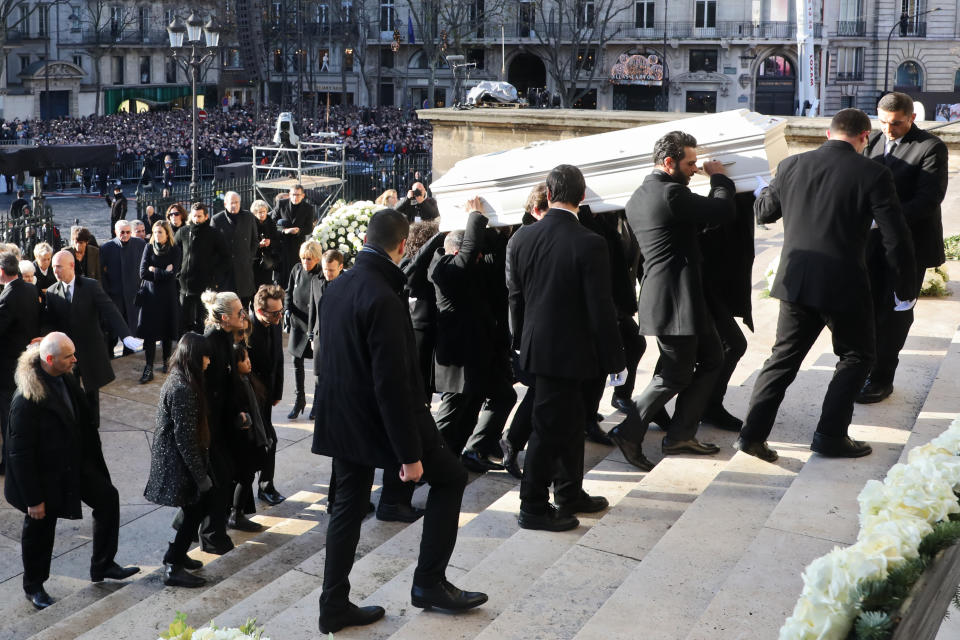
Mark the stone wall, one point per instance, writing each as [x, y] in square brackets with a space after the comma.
[461, 134]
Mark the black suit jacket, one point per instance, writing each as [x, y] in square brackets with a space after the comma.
[370, 407]
[266, 358]
[666, 218]
[919, 167]
[561, 303]
[205, 258]
[242, 240]
[19, 324]
[828, 198]
[80, 319]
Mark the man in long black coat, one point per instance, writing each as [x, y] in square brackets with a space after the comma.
[239, 230]
[118, 208]
[918, 161]
[266, 358]
[562, 308]
[56, 461]
[205, 259]
[295, 218]
[76, 306]
[828, 199]
[19, 324]
[370, 414]
[666, 218]
[120, 264]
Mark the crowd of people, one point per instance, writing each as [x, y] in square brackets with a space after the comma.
[467, 314]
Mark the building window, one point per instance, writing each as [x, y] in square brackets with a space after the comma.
[231, 58]
[117, 69]
[116, 22]
[170, 71]
[321, 13]
[169, 16]
[143, 21]
[387, 15]
[43, 20]
[24, 62]
[78, 61]
[586, 58]
[23, 24]
[909, 77]
[75, 18]
[348, 59]
[278, 65]
[643, 15]
[703, 60]
[914, 25]
[476, 56]
[701, 101]
[956, 81]
[276, 11]
[144, 69]
[846, 102]
[706, 14]
[586, 12]
[526, 19]
[386, 58]
[849, 64]
[323, 60]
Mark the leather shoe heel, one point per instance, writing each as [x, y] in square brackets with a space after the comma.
[398, 512]
[174, 575]
[353, 616]
[845, 447]
[551, 520]
[630, 450]
[595, 434]
[584, 504]
[269, 494]
[40, 599]
[444, 595]
[479, 463]
[756, 449]
[694, 446]
[873, 392]
[240, 522]
[114, 572]
[298, 406]
[510, 462]
[191, 564]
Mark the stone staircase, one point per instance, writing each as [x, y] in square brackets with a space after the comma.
[699, 548]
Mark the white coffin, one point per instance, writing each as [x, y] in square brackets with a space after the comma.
[614, 164]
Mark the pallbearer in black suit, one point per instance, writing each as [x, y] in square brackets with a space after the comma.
[370, 413]
[666, 218]
[562, 308]
[827, 199]
[918, 162]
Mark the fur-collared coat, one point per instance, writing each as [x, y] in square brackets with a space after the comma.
[48, 443]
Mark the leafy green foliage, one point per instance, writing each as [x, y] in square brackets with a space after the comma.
[873, 625]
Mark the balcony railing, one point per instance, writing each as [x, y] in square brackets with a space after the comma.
[915, 29]
[851, 28]
[630, 31]
[850, 76]
[129, 37]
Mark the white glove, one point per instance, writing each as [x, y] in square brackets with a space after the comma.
[617, 379]
[873, 224]
[903, 305]
[132, 343]
[761, 185]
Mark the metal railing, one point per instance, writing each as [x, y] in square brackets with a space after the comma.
[107, 36]
[851, 28]
[850, 76]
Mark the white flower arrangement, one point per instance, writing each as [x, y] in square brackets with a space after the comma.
[895, 515]
[771, 273]
[179, 630]
[344, 227]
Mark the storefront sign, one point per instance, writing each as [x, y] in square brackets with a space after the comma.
[637, 69]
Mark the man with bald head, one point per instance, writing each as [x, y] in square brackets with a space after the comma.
[238, 228]
[417, 206]
[76, 305]
[55, 462]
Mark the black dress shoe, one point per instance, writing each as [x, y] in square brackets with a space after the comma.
[722, 419]
[756, 449]
[694, 446]
[873, 392]
[584, 504]
[595, 434]
[398, 512]
[269, 494]
[175, 575]
[510, 462]
[478, 463]
[630, 450]
[845, 447]
[353, 616]
[550, 520]
[241, 522]
[191, 564]
[147, 375]
[444, 595]
[623, 405]
[114, 572]
[219, 548]
[40, 599]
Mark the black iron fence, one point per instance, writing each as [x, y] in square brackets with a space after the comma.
[27, 232]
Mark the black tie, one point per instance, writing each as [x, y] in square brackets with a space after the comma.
[66, 292]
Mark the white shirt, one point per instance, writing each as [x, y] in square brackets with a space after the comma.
[576, 213]
[70, 286]
[890, 146]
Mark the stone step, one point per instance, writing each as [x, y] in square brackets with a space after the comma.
[94, 606]
[482, 529]
[568, 593]
[819, 511]
[678, 577]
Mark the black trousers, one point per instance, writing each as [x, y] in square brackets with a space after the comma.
[150, 351]
[447, 479]
[555, 449]
[213, 530]
[892, 327]
[688, 369]
[426, 340]
[93, 403]
[496, 408]
[393, 491]
[634, 345]
[192, 516]
[6, 397]
[732, 340]
[797, 329]
[36, 541]
[192, 313]
[457, 418]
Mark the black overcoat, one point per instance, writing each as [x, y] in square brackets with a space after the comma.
[205, 258]
[19, 324]
[159, 317]
[240, 235]
[267, 260]
[302, 288]
[121, 275]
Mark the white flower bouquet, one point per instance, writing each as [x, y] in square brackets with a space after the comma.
[895, 516]
[344, 227]
[179, 630]
[771, 273]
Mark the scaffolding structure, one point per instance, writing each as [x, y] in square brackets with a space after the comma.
[317, 166]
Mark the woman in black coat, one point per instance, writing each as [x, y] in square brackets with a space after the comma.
[159, 302]
[180, 461]
[305, 284]
[267, 259]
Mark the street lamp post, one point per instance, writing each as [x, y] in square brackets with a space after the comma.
[903, 19]
[193, 28]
